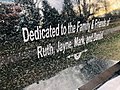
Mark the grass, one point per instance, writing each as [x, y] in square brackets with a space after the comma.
[108, 48]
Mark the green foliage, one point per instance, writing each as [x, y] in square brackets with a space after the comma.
[68, 13]
[51, 15]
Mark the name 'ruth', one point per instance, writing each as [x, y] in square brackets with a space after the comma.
[45, 51]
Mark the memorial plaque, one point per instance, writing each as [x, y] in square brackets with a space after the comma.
[57, 44]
